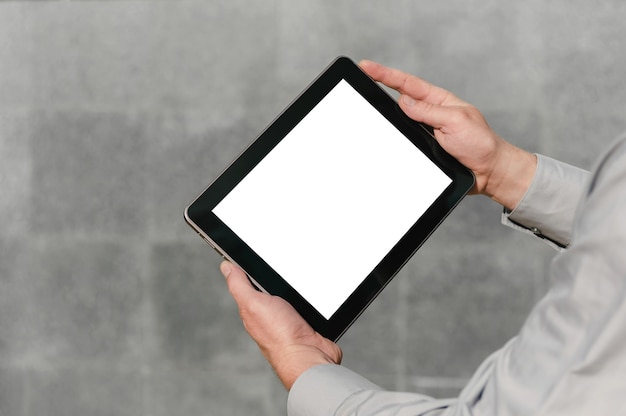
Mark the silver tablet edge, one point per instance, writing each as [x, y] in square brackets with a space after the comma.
[219, 250]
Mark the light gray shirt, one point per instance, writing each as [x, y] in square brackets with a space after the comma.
[569, 358]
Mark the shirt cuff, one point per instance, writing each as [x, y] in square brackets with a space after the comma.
[506, 220]
[322, 389]
[548, 208]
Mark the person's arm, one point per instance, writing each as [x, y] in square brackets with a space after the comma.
[569, 356]
[306, 362]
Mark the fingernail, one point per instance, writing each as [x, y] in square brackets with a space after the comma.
[408, 100]
[226, 268]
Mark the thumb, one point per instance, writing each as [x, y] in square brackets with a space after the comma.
[226, 268]
[434, 115]
[238, 284]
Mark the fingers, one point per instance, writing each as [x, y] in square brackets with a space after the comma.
[332, 350]
[420, 100]
[408, 84]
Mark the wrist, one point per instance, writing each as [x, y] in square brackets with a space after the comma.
[511, 176]
[296, 361]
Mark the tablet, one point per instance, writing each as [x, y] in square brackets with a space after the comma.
[331, 199]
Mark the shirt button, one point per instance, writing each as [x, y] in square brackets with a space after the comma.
[535, 230]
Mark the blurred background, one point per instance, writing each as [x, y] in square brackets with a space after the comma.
[114, 115]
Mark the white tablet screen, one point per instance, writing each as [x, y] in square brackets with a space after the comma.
[333, 198]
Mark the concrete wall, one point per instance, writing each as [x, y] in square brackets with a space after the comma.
[115, 114]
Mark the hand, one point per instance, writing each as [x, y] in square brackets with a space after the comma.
[287, 341]
[503, 172]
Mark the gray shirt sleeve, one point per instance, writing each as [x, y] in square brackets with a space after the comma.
[549, 206]
[569, 356]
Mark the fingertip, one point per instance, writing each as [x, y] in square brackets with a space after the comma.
[369, 66]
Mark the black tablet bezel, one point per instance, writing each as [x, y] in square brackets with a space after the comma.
[199, 213]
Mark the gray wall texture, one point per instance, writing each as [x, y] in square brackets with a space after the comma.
[116, 114]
